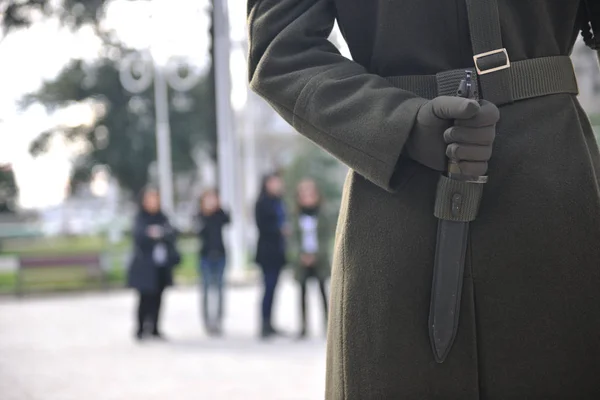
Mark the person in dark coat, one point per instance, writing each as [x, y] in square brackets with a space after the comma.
[211, 220]
[530, 312]
[155, 256]
[312, 233]
[271, 221]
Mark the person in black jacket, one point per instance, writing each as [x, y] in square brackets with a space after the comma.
[270, 252]
[211, 221]
[151, 268]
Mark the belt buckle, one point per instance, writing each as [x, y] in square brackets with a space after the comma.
[491, 53]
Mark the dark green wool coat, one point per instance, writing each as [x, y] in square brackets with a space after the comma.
[530, 318]
[325, 231]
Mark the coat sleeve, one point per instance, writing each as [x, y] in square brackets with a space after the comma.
[356, 116]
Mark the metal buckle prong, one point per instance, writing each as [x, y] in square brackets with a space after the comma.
[491, 53]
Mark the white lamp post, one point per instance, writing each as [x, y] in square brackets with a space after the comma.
[138, 71]
[156, 66]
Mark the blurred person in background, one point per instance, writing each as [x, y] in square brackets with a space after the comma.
[211, 221]
[155, 256]
[312, 232]
[271, 222]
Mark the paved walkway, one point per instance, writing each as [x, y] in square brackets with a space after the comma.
[80, 347]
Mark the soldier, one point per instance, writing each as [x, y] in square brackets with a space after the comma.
[529, 319]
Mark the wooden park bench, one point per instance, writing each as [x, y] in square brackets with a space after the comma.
[90, 264]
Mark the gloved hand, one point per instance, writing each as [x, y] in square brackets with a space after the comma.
[456, 127]
[470, 140]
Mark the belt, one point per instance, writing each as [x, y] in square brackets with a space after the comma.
[528, 79]
[457, 201]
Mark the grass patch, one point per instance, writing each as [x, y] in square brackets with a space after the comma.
[73, 278]
[117, 277]
[51, 279]
[8, 280]
[187, 271]
[81, 278]
[61, 245]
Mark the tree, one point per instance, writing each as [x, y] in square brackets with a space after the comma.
[9, 190]
[122, 134]
[18, 14]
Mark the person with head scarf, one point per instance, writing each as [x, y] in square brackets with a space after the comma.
[312, 232]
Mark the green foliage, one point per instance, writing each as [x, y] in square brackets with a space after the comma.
[71, 13]
[120, 138]
[8, 189]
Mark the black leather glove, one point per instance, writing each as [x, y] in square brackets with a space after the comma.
[470, 140]
[426, 144]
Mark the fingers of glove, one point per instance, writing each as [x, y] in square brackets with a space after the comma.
[473, 168]
[488, 115]
[445, 108]
[463, 134]
[468, 152]
[428, 150]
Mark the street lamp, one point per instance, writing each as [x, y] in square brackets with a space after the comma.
[138, 71]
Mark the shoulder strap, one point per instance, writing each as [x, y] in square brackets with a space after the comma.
[490, 57]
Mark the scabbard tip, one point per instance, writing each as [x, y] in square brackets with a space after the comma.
[440, 353]
[439, 357]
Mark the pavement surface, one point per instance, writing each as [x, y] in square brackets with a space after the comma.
[81, 347]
